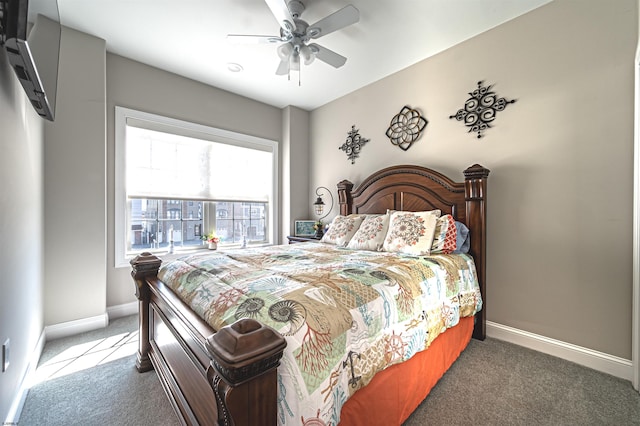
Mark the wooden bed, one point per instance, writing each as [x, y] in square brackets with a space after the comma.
[228, 376]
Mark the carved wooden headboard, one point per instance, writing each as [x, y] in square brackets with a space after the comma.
[416, 188]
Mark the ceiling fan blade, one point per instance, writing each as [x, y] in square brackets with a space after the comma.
[283, 16]
[328, 56]
[342, 18]
[283, 68]
[253, 39]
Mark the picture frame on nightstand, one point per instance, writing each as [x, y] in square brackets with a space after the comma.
[304, 228]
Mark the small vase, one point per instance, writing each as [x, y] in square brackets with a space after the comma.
[213, 246]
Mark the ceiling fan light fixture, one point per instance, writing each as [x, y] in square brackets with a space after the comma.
[307, 55]
[295, 62]
[285, 50]
[295, 33]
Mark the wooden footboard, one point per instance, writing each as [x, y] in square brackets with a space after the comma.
[225, 378]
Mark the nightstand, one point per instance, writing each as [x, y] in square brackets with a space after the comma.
[293, 240]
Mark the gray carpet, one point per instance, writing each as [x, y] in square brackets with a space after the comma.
[108, 391]
[498, 383]
[493, 383]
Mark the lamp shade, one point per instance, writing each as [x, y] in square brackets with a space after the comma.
[295, 61]
[284, 50]
[319, 206]
[307, 54]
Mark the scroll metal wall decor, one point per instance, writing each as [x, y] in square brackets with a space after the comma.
[406, 127]
[353, 144]
[481, 109]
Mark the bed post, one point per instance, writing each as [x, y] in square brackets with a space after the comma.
[344, 197]
[143, 266]
[475, 190]
[242, 374]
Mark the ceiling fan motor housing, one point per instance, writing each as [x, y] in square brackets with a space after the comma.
[296, 8]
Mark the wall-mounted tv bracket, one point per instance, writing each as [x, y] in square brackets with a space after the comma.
[3, 21]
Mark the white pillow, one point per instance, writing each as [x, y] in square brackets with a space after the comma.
[411, 232]
[371, 234]
[341, 229]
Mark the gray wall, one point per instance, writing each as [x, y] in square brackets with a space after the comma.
[53, 226]
[134, 85]
[295, 168]
[20, 231]
[74, 173]
[58, 193]
[561, 159]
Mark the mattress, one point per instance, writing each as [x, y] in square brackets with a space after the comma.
[346, 314]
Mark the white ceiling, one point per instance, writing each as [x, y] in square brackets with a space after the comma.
[188, 37]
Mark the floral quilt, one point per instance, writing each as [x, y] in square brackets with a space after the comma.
[346, 314]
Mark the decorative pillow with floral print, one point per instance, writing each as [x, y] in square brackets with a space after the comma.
[341, 230]
[371, 234]
[411, 232]
[444, 238]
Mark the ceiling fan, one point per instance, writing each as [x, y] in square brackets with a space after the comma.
[295, 35]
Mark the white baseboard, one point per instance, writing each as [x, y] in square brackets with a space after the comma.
[71, 328]
[123, 310]
[27, 380]
[57, 331]
[610, 364]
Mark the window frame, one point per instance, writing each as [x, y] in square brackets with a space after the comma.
[185, 128]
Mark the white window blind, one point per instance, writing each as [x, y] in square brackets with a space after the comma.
[161, 158]
[164, 165]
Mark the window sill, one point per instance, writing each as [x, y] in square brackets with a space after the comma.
[168, 257]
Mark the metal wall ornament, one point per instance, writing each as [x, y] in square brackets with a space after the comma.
[353, 144]
[480, 109]
[406, 127]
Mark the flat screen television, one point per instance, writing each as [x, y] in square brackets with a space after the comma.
[31, 38]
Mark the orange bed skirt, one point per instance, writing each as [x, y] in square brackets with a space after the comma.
[393, 394]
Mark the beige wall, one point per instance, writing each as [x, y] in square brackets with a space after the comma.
[561, 183]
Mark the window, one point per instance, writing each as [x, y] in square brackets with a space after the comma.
[156, 224]
[177, 181]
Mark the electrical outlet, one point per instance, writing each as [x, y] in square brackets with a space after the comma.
[5, 356]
